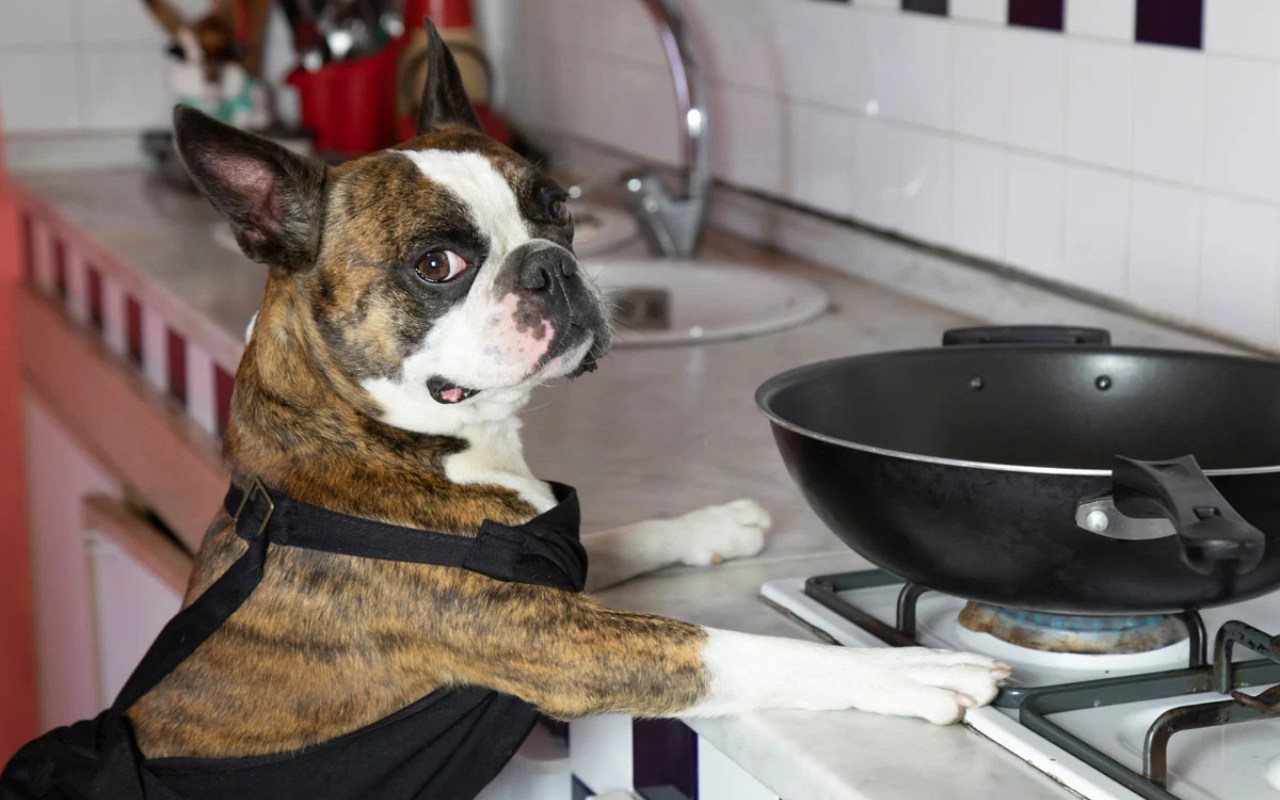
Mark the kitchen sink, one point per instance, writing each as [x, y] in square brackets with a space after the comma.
[675, 301]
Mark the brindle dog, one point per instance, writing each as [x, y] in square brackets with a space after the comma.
[415, 297]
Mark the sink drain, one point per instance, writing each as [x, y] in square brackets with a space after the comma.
[642, 308]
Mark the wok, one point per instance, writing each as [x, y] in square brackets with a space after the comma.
[1041, 468]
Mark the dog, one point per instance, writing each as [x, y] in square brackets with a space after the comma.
[415, 298]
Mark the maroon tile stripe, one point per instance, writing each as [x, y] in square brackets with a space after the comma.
[133, 322]
[1174, 22]
[60, 268]
[95, 298]
[177, 347]
[1045, 14]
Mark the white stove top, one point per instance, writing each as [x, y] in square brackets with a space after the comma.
[1235, 762]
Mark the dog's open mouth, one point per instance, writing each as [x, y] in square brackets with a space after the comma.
[442, 391]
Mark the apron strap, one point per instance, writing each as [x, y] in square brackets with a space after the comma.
[544, 551]
[191, 626]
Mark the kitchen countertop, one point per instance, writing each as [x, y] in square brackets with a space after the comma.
[655, 432]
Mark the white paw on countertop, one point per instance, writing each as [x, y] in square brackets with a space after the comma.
[718, 533]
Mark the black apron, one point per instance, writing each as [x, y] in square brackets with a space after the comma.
[449, 744]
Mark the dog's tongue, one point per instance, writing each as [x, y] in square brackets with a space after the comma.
[442, 391]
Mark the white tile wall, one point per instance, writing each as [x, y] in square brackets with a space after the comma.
[124, 89]
[38, 91]
[818, 170]
[1096, 230]
[1168, 113]
[1238, 277]
[983, 10]
[918, 78]
[37, 22]
[980, 82]
[99, 65]
[1034, 197]
[877, 173]
[832, 67]
[1037, 91]
[749, 141]
[1100, 102]
[1242, 27]
[926, 186]
[977, 198]
[1242, 127]
[1110, 19]
[1164, 247]
[116, 21]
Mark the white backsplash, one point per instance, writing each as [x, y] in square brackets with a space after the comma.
[1146, 172]
[80, 68]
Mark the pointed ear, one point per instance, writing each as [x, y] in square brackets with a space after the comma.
[272, 197]
[444, 100]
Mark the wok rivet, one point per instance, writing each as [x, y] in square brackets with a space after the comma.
[1103, 382]
[1097, 521]
[976, 383]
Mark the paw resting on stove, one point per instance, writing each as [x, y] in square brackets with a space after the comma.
[934, 685]
[749, 672]
[718, 533]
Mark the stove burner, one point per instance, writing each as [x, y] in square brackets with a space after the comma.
[1073, 633]
[1035, 705]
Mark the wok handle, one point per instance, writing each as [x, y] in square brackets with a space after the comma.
[1027, 334]
[1210, 531]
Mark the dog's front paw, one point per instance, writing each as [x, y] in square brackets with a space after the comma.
[717, 533]
[933, 685]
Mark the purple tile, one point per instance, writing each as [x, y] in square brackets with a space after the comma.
[133, 327]
[95, 298]
[177, 366]
[1174, 22]
[60, 268]
[665, 759]
[938, 7]
[1045, 14]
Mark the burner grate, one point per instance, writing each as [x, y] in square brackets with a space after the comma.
[1224, 677]
[1034, 705]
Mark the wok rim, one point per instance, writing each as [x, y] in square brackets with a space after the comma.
[775, 384]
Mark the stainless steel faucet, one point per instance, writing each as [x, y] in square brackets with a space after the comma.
[672, 223]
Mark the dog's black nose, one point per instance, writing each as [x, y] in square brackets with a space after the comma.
[545, 267]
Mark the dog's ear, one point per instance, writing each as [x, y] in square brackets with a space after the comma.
[444, 100]
[272, 197]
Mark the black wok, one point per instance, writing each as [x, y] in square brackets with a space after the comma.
[1072, 478]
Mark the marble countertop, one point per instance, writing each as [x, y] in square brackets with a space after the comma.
[658, 432]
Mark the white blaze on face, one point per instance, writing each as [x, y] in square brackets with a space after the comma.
[482, 343]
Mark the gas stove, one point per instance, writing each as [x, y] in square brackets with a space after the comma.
[1101, 719]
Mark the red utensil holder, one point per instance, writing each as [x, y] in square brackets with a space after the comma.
[350, 105]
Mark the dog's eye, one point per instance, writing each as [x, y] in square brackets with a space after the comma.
[559, 212]
[440, 266]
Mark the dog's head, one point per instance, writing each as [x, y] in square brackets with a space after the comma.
[438, 275]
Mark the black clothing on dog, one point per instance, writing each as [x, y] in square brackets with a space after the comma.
[448, 745]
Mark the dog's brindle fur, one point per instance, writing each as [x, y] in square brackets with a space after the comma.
[328, 643]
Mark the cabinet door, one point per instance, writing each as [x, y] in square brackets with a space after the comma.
[138, 577]
[59, 473]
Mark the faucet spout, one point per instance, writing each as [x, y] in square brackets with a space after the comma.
[672, 222]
